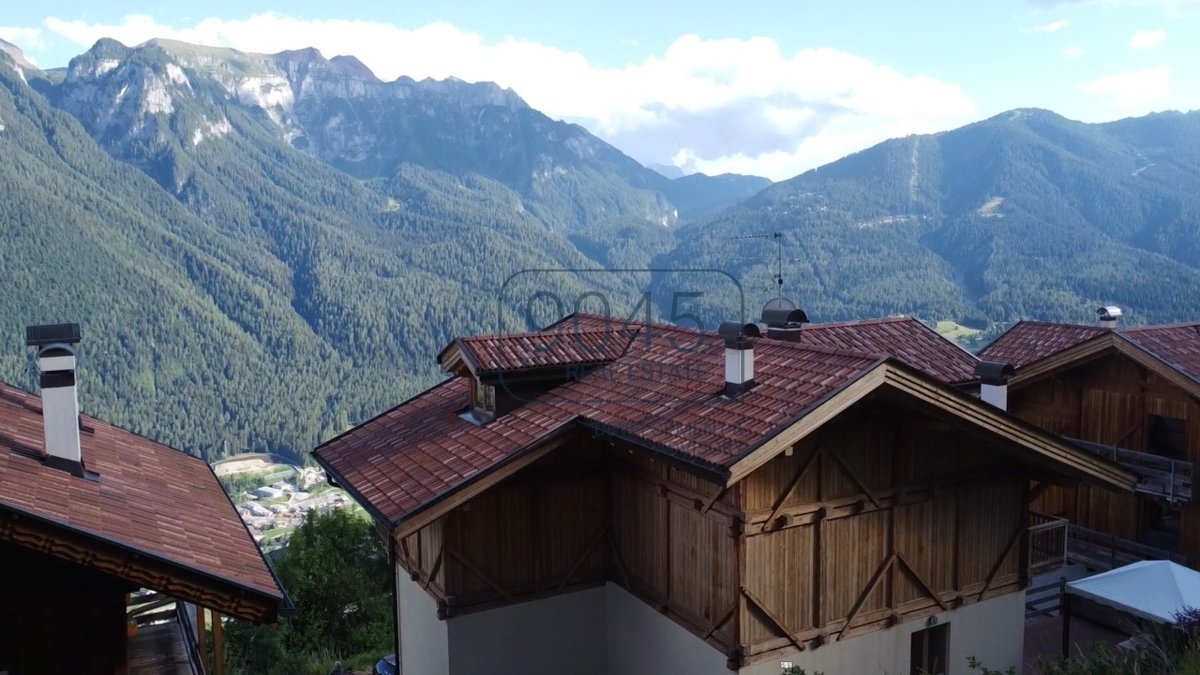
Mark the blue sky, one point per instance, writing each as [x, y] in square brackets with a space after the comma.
[767, 87]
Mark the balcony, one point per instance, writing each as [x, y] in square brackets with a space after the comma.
[1170, 479]
[1047, 542]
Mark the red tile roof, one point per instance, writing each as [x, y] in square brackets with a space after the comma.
[663, 392]
[1176, 345]
[490, 354]
[1031, 341]
[414, 452]
[904, 338]
[158, 501]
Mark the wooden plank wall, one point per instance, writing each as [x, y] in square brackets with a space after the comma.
[877, 518]
[1108, 400]
[540, 531]
[676, 544]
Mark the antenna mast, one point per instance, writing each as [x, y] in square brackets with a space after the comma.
[778, 276]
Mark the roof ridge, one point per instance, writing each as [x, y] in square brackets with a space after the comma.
[862, 322]
[1159, 326]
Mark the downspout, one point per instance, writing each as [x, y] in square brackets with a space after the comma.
[395, 603]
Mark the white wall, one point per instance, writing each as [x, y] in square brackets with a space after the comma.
[559, 635]
[424, 646]
[607, 630]
[642, 641]
[992, 631]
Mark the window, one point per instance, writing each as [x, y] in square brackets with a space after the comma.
[483, 400]
[930, 651]
[1167, 436]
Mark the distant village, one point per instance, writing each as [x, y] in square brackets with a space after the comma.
[274, 497]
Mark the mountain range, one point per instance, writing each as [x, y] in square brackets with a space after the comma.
[265, 249]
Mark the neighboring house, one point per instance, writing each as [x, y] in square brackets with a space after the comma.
[90, 513]
[904, 338]
[631, 499]
[1131, 394]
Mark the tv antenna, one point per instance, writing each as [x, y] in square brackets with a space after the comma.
[778, 276]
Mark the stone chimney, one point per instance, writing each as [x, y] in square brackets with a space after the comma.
[739, 356]
[993, 382]
[60, 402]
[1109, 315]
[784, 324]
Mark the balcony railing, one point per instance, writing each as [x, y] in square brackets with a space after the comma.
[1047, 542]
[1160, 476]
[1103, 551]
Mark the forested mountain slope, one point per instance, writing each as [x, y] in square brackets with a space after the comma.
[264, 249]
[1025, 215]
[235, 292]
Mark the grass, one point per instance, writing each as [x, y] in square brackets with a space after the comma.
[956, 331]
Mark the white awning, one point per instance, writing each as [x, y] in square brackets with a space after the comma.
[1151, 589]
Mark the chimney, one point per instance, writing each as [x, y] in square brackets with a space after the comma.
[784, 324]
[739, 356]
[60, 405]
[1109, 316]
[993, 382]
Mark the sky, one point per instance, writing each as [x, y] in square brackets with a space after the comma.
[764, 87]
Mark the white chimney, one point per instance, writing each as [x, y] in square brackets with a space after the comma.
[1109, 315]
[60, 402]
[739, 356]
[993, 382]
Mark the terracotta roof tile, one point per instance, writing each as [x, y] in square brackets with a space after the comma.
[904, 338]
[527, 351]
[149, 498]
[1031, 341]
[1176, 345]
[664, 391]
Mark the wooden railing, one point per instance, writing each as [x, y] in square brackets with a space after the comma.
[1160, 476]
[1047, 542]
[1103, 551]
[182, 625]
[174, 633]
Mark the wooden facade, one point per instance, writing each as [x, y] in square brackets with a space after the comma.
[1112, 399]
[891, 511]
[58, 617]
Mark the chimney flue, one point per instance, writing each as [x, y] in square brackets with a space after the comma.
[60, 402]
[1109, 315]
[993, 382]
[739, 356]
[784, 324]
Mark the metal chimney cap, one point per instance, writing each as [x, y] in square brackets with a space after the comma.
[784, 317]
[50, 334]
[737, 335]
[994, 372]
[735, 329]
[1109, 312]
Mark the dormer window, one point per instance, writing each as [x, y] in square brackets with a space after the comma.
[483, 400]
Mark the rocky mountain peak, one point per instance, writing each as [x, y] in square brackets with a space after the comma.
[18, 57]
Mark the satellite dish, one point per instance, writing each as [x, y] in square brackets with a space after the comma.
[779, 303]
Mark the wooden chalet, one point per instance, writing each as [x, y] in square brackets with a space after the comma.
[602, 498]
[91, 513]
[1129, 394]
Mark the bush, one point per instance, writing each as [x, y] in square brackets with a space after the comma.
[337, 574]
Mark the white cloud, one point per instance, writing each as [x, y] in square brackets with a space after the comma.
[722, 105]
[1074, 52]
[1147, 39]
[25, 38]
[1131, 90]
[1052, 27]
